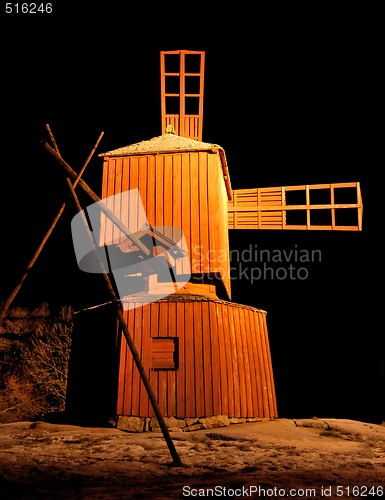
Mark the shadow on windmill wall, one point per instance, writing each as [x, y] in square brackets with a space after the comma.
[92, 382]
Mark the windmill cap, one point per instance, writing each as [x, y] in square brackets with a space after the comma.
[166, 143]
[172, 143]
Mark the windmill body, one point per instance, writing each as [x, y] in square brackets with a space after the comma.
[205, 355]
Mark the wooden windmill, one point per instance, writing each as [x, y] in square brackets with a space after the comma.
[204, 354]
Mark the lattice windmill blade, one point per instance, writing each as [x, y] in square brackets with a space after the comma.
[336, 206]
[182, 81]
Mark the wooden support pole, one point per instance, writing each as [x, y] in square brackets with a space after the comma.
[96, 198]
[8, 302]
[52, 138]
[130, 343]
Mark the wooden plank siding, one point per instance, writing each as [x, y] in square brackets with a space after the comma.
[186, 191]
[224, 363]
[250, 209]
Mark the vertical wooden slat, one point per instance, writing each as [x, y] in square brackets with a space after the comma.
[185, 211]
[333, 209]
[239, 340]
[214, 216]
[108, 235]
[123, 376]
[154, 375]
[195, 225]
[142, 187]
[250, 346]
[222, 345]
[190, 361]
[215, 352]
[259, 364]
[201, 91]
[222, 228]
[181, 409]
[146, 357]
[168, 201]
[136, 380]
[150, 190]
[182, 98]
[162, 375]
[359, 201]
[207, 367]
[118, 199]
[229, 360]
[125, 187]
[235, 362]
[270, 388]
[308, 222]
[133, 216]
[171, 382]
[198, 359]
[243, 313]
[163, 91]
[118, 179]
[158, 200]
[264, 368]
[103, 218]
[176, 180]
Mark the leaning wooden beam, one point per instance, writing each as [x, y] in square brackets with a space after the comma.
[130, 343]
[52, 138]
[10, 299]
[96, 198]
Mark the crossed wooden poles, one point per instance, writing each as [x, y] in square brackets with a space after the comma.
[115, 301]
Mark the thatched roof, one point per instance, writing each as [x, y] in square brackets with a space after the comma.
[172, 143]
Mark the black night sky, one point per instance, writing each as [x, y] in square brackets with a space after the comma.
[291, 100]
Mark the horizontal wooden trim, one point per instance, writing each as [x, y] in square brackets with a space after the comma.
[182, 52]
[326, 228]
[293, 227]
[335, 185]
[185, 95]
[261, 208]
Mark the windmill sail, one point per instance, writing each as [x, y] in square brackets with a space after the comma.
[182, 79]
[335, 206]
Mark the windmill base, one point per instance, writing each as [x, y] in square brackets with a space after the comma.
[203, 356]
[150, 424]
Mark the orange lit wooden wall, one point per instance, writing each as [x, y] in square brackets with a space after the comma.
[183, 190]
[221, 364]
